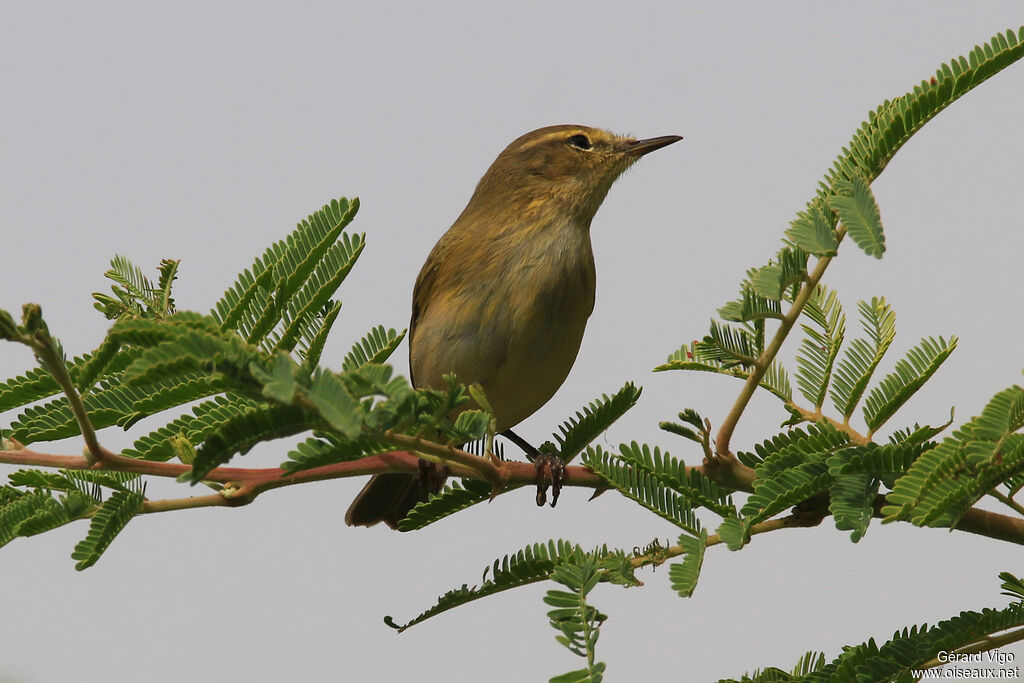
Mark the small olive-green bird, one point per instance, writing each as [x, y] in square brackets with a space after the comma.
[505, 294]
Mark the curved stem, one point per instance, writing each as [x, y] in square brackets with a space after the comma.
[764, 361]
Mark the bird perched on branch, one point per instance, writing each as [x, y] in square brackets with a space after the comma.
[504, 296]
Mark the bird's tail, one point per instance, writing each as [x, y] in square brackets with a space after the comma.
[385, 498]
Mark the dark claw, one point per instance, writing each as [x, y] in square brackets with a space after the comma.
[549, 469]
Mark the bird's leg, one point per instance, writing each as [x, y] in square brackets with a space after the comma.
[550, 470]
[531, 452]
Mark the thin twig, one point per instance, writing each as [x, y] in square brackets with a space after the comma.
[764, 361]
[447, 454]
[844, 427]
[1006, 500]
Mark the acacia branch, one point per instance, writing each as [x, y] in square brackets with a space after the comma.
[844, 427]
[242, 485]
[764, 361]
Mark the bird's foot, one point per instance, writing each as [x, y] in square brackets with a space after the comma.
[550, 470]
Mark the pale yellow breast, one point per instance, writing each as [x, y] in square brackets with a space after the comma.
[514, 324]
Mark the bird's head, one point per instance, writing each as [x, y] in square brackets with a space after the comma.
[563, 169]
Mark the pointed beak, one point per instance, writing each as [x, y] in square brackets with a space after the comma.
[638, 148]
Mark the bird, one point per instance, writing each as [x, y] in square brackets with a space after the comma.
[504, 297]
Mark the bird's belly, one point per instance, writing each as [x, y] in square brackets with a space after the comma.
[539, 358]
[518, 337]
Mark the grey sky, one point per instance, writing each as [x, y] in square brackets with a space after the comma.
[204, 131]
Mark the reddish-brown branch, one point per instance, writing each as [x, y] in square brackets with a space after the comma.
[242, 484]
[993, 525]
[253, 481]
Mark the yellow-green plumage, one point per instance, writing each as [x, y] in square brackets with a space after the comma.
[504, 296]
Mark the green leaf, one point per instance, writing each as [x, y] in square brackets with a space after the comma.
[33, 512]
[471, 425]
[37, 384]
[683, 575]
[750, 307]
[206, 419]
[709, 356]
[336, 404]
[314, 345]
[453, 498]
[856, 207]
[910, 374]
[645, 489]
[851, 502]
[106, 524]
[945, 481]
[672, 472]
[301, 299]
[244, 429]
[793, 448]
[734, 533]
[591, 675]
[327, 450]
[1012, 586]
[886, 462]
[162, 300]
[532, 564]
[813, 232]
[820, 347]
[133, 292]
[578, 622]
[281, 383]
[910, 648]
[766, 281]
[593, 420]
[376, 347]
[785, 489]
[862, 356]
[260, 296]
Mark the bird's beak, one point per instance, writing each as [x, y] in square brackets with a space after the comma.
[638, 148]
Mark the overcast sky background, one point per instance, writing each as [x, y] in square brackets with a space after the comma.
[205, 131]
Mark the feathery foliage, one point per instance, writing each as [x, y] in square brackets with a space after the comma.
[862, 356]
[821, 345]
[577, 622]
[910, 375]
[591, 421]
[645, 489]
[531, 564]
[683, 575]
[107, 522]
[27, 513]
[673, 473]
[855, 205]
[452, 498]
[135, 295]
[376, 347]
[946, 480]
[259, 297]
[709, 355]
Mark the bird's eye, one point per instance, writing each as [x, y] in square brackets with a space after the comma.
[579, 141]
